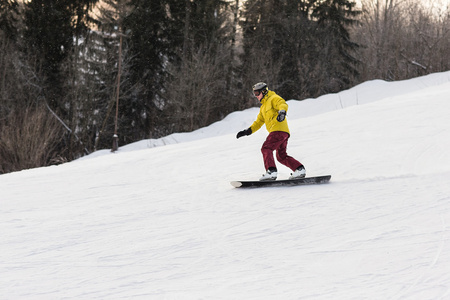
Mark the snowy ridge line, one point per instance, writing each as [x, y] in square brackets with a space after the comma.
[363, 93]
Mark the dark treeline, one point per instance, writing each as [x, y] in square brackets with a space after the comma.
[178, 65]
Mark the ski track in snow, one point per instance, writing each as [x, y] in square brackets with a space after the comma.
[138, 225]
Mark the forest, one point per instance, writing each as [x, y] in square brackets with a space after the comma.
[77, 76]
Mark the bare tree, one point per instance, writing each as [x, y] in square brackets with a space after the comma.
[403, 39]
[30, 138]
[196, 95]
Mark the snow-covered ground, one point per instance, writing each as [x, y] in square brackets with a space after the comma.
[163, 222]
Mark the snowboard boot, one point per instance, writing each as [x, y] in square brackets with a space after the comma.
[299, 173]
[271, 174]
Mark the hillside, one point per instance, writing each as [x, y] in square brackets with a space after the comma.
[163, 222]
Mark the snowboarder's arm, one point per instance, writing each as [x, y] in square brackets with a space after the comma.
[255, 127]
[258, 123]
[280, 104]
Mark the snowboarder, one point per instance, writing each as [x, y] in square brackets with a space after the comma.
[273, 114]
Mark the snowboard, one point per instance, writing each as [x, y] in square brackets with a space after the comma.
[287, 182]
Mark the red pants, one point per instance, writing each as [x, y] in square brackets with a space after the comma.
[277, 140]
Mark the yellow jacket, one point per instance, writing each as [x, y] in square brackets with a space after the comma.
[270, 105]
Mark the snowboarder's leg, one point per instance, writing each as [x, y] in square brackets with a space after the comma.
[283, 157]
[273, 142]
[278, 141]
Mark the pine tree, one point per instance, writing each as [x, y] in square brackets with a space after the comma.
[112, 51]
[79, 85]
[148, 38]
[275, 38]
[299, 47]
[196, 91]
[337, 49]
[52, 44]
[49, 44]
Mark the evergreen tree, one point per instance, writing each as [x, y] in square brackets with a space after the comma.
[256, 59]
[111, 34]
[207, 22]
[148, 38]
[337, 49]
[197, 87]
[298, 47]
[52, 44]
[51, 27]
[166, 40]
[80, 89]
[275, 32]
[49, 39]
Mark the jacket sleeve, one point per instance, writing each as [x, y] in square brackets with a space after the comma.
[258, 123]
[280, 104]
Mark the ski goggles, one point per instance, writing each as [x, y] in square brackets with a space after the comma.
[257, 93]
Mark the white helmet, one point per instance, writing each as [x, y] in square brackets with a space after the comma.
[260, 87]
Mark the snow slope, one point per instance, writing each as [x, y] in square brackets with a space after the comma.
[164, 222]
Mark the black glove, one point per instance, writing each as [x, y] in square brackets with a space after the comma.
[247, 131]
[281, 115]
